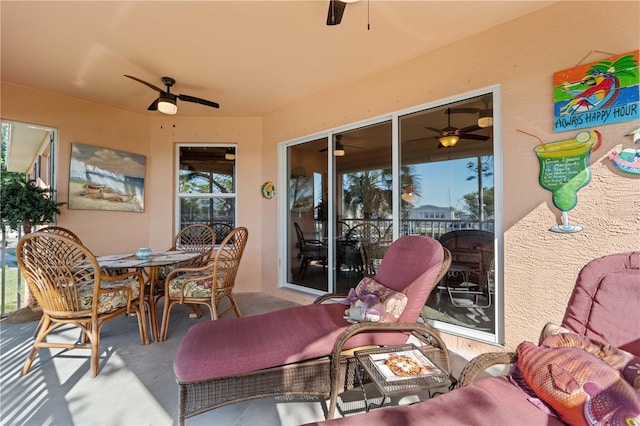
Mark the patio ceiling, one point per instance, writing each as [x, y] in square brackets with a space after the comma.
[252, 57]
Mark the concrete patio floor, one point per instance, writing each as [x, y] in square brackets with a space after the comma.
[135, 384]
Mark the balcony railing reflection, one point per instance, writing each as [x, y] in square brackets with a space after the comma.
[433, 228]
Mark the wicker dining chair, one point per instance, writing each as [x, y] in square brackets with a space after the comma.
[221, 230]
[197, 237]
[208, 284]
[65, 278]
[65, 233]
[61, 231]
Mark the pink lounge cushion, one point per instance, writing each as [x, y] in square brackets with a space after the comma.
[582, 388]
[372, 301]
[492, 401]
[222, 348]
[411, 265]
[604, 303]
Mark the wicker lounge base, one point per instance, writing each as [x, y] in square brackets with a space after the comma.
[308, 379]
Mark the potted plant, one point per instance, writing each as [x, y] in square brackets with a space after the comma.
[25, 204]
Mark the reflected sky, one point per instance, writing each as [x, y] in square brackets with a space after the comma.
[444, 183]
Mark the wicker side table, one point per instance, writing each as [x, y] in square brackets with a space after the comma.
[436, 382]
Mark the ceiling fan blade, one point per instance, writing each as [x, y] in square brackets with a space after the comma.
[433, 129]
[201, 101]
[464, 110]
[336, 10]
[469, 129]
[422, 139]
[156, 88]
[474, 137]
[154, 105]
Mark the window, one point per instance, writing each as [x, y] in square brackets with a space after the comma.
[430, 170]
[206, 183]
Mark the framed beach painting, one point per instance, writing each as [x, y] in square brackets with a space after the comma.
[106, 179]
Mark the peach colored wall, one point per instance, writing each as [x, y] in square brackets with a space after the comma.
[117, 232]
[90, 124]
[521, 55]
[247, 134]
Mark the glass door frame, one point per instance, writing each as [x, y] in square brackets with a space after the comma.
[283, 210]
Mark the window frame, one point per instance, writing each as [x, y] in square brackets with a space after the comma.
[212, 195]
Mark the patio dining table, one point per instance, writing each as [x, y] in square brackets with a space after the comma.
[149, 268]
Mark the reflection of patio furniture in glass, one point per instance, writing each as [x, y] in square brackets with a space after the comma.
[310, 251]
[348, 251]
[342, 229]
[368, 235]
[469, 281]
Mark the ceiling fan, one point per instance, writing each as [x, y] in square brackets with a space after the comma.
[339, 151]
[485, 114]
[449, 136]
[166, 102]
[336, 10]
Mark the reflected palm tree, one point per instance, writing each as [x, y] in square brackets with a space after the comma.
[364, 195]
[369, 193]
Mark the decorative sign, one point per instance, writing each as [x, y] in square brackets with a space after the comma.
[268, 190]
[628, 160]
[598, 93]
[564, 169]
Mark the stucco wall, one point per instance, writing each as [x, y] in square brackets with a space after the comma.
[521, 56]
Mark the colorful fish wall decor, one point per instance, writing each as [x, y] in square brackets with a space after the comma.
[627, 160]
[597, 93]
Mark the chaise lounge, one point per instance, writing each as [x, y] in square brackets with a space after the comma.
[602, 311]
[300, 351]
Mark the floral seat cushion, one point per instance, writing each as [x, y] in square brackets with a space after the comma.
[196, 284]
[111, 301]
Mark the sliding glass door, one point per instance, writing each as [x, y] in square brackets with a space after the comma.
[447, 177]
[430, 171]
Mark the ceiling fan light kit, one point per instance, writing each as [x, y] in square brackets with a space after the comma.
[230, 154]
[449, 140]
[166, 105]
[408, 195]
[485, 119]
[339, 151]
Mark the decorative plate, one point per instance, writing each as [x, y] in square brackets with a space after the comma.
[268, 190]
